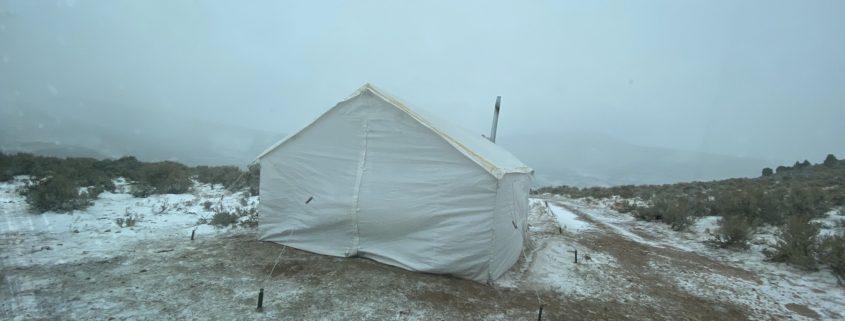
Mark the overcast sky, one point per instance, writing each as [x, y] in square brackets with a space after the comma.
[764, 79]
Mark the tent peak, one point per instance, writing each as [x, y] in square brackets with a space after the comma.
[493, 158]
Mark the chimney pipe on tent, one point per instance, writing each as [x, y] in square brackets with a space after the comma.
[495, 119]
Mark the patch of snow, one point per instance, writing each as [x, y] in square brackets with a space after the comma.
[706, 225]
[567, 219]
[833, 223]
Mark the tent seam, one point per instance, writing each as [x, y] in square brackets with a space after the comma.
[356, 238]
[493, 233]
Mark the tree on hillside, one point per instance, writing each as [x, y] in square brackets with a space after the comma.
[830, 160]
[768, 171]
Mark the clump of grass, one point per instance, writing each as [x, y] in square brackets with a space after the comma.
[128, 221]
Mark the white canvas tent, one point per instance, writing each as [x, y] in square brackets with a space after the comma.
[373, 178]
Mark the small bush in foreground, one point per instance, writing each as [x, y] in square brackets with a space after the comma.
[57, 194]
[809, 201]
[798, 243]
[222, 175]
[223, 219]
[677, 212]
[624, 206]
[142, 190]
[250, 180]
[161, 178]
[833, 254]
[251, 217]
[230, 177]
[733, 232]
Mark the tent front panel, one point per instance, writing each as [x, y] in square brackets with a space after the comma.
[320, 163]
[422, 205]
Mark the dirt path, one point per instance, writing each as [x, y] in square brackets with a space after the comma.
[683, 278]
[641, 265]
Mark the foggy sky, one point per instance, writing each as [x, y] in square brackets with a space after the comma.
[762, 79]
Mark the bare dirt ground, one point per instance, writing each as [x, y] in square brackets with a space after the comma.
[219, 278]
[160, 274]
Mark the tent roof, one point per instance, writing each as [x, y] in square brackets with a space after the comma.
[493, 158]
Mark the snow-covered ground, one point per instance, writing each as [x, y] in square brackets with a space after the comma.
[98, 233]
[744, 278]
[58, 238]
[85, 265]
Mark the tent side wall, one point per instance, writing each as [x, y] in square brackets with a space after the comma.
[423, 205]
[510, 223]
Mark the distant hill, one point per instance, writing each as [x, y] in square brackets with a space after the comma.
[118, 132]
[58, 150]
[575, 158]
[590, 159]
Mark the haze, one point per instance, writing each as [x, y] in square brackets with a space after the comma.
[746, 84]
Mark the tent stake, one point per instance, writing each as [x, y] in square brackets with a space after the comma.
[540, 315]
[260, 300]
[194, 232]
[576, 256]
